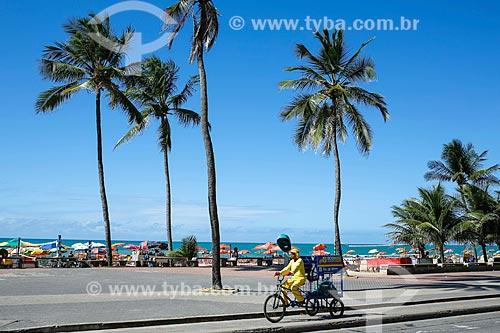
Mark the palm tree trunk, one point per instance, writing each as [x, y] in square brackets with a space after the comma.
[485, 254]
[212, 198]
[100, 167]
[441, 252]
[168, 199]
[336, 207]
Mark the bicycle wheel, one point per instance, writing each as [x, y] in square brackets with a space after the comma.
[312, 306]
[336, 307]
[274, 308]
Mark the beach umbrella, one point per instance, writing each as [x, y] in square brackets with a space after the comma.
[131, 247]
[382, 253]
[224, 251]
[117, 244]
[144, 245]
[201, 249]
[224, 246]
[266, 246]
[320, 253]
[79, 246]
[319, 247]
[449, 251]
[97, 245]
[158, 244]
[372, 251]
[268, 252]
[244, 251]
[351, 251]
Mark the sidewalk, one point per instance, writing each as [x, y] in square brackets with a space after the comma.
[41, 298]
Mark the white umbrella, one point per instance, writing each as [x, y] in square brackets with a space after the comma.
[94, 245]
[449, 251]
[373, 251]
[80, 246]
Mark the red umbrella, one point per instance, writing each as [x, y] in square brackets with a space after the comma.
[244, 252]
[224, 251]
[131, 247]
[266, 246]
[319, 247]
[224, 246]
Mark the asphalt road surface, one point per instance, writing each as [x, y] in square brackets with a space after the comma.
[483, 322]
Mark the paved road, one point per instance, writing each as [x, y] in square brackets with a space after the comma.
[483, 322]
[373, 320]
[42, 297]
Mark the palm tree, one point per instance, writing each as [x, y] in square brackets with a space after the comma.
[324, 114]
[404, 229]
[480, 220]
[154, 89]
[83, 63]
[462, 165]
[205, 31]
[435, 216]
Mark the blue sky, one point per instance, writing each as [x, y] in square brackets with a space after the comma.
[440, 82]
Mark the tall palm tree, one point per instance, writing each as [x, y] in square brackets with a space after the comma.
[435, 216]
[205, 31]
[331, 102]
[461, 164]
[404, 229]
[155, 90]
[84, 63]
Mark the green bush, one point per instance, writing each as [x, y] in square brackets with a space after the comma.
[189, 247]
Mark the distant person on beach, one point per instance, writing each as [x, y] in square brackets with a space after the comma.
[426, 256]
[295, 268]
[235, 253]
[71, 255]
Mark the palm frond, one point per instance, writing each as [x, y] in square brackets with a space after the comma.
[137, 129]
[53, 97]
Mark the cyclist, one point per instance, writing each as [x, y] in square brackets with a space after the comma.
[295, 268]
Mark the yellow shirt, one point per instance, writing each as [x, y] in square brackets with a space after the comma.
[296, 267]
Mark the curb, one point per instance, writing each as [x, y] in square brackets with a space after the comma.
[255, 315]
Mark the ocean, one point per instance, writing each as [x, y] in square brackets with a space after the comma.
[305, 248]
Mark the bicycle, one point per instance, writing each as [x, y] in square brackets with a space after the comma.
[274, 305]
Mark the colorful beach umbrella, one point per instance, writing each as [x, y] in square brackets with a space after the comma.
[319, 247]
[351, 251]
[320, 253]
[131, 247]
[266, 246]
